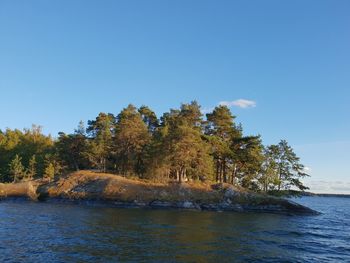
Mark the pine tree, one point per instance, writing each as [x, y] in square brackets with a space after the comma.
[288, 167]
[185, 153]
[32, 170]
[149, 118]
[131, 138]
[247, 159]
[80, 130]
[188, 154]
[49, 172]
[181, 145]
[73, 148]
[25, 143]
[190, 114]
[220, 130]
[269, 172]
[16, 169]
[101, 132]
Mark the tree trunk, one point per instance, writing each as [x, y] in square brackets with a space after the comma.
[279, 177]
[217, 170]
[224, 171]
[220, 172]
[104, 165]
[233, 173]
[279, 181]
[179, 174]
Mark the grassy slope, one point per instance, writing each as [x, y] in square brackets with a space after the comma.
[91, 185]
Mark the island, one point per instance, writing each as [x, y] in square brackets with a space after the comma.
[183, 159]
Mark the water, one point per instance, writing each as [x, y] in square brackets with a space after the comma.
[43, 232]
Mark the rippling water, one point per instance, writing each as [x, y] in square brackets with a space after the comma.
[43, 232]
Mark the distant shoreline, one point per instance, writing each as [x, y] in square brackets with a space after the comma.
[325, 195]
[295, 193]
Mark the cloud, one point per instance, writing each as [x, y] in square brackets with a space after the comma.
[241, 103]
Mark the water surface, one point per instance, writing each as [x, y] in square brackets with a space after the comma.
[44, 232]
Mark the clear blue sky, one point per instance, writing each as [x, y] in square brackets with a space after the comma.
[65, 61]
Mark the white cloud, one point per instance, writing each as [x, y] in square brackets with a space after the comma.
[241, 103]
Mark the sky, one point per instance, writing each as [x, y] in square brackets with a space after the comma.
[283, 67]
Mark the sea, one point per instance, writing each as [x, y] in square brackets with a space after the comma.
[65, 232]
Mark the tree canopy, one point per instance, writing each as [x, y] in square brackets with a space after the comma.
[182, 145]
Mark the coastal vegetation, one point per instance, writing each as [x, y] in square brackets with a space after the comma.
[182, 145]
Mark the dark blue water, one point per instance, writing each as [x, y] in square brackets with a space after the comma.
[43, 232]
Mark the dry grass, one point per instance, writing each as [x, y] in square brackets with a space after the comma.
[101, 186]
[23, 189]
[92, 185]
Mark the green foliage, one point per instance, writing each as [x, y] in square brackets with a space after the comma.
[181, 145]
[73, 148]
[101, 131]
[149, 118]
[49, 171]
[177, 150]
[188, 154]
[248, 158]
[32, 170]
[221, 133]
[220, 122]
[24, 143]
[283, 169]
[16, 169]
[131, 137]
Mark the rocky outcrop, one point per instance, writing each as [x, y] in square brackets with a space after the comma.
[96, 188]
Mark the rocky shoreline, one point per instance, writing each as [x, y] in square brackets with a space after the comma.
[111, 190]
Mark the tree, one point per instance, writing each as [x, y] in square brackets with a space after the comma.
[220, 130]
[269, 172]
[80, 130]
[101, 132]
[247, 158]
[131, 138]
[16, 169]
[188, 154]
[72, 148]
[190, 114]
[24, 143]
[32, 170]
[185, 153]
[155, 154]
[149, 118]
[286, 165]
[180, 146]
[49, 171]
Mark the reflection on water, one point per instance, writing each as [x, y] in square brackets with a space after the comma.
[41, 232]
